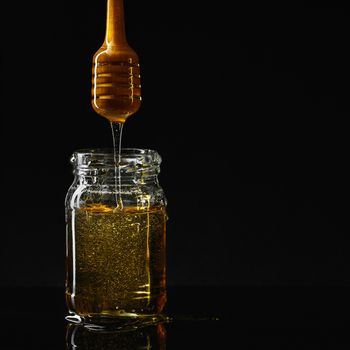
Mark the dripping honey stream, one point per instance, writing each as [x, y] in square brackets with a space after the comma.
[116, 89]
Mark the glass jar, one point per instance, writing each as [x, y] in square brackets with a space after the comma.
[115, 237]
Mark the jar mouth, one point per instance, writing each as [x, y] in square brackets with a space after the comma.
[110, 151]
[131, 159]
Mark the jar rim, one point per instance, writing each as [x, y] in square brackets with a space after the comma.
[92, 157]
[109, 151]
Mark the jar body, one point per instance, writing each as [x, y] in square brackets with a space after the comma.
[115, 247]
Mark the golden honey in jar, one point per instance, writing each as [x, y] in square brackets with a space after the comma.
[115, 250]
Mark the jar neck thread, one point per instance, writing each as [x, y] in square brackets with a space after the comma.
[103, 177]
[97, 166]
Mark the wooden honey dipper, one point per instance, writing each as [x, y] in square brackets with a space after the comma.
[116, 89]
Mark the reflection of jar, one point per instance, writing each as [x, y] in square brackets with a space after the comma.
[152, 337]
[115, 260]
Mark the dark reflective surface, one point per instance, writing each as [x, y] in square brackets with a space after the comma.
[150, 337]
[203, 318]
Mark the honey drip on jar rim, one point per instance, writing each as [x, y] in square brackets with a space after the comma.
[116, 88]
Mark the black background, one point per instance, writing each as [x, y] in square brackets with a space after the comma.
[247, 104]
